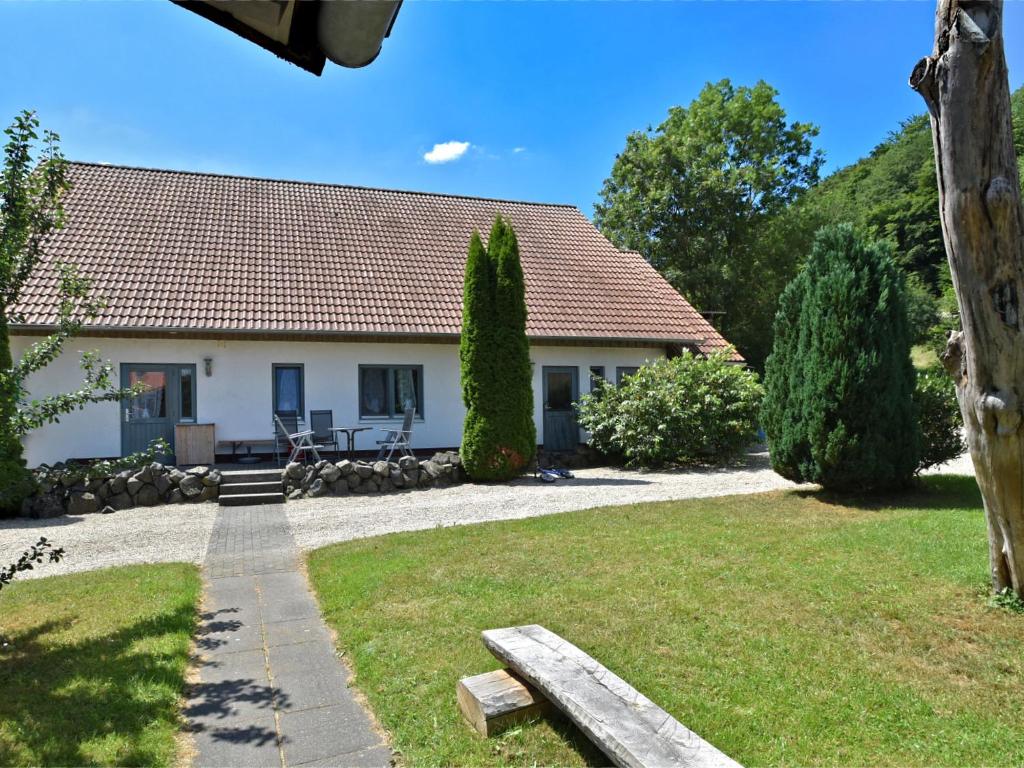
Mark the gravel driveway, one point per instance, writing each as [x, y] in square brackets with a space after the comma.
[176, 533]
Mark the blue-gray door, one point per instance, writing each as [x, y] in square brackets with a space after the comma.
[168, 399]
[561, 391]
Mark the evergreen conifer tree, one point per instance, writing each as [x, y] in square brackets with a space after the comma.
[499, 437]
[839, 383]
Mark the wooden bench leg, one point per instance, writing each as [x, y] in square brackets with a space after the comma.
[494, 701]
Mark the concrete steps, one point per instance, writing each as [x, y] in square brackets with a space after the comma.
[243, 487]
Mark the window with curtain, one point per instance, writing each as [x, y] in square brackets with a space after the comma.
[288, 389]
[385, 391]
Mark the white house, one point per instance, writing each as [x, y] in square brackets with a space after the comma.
[235, 297]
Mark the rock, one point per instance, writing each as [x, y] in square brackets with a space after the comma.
[330, 473]
[339, 487]
[411, 477]
[156, 468]
[296, 494]
[363, 487]
[175, 496]
[191, 486]
[321, 464]
[162, 483]
[210, 492]
[431, 468]
[176, 476]
[397, 479]
[148, 496]
[295, 471]
[47, 506]
[364, 470]
[386, 485]
[371, 485]
[346, 467]
[145, 474]
[408, 462]
[108, 510]
[67, 479]
[309, 477]
[120, 501]
[199, 471]
[354, 481]
[317, 488]
[213, 478]
[93, 486]
[381, 469]
[134, 484]
[104, 491]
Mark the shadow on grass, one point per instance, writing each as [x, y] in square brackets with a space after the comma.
[108, 691]
[935, 492]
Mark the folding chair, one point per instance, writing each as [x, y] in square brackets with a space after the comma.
[321, 422]
[397, 439]
[300, 442]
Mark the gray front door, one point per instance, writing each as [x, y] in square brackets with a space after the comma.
[154, 412]
[561, 390]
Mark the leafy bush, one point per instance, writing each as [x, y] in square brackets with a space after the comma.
[839, 383]
[688, 410]
[499, 437]
[16, 484]
[938, 414]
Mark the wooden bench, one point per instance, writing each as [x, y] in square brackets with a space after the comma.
[627, 726]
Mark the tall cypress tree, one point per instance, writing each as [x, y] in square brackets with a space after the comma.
[499, 436]
[519, 433]
[839, 383]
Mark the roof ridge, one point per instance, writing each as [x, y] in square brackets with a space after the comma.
[306, 183]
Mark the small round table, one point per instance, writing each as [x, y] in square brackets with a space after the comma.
[350, 434]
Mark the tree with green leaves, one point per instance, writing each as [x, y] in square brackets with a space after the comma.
[839, 384]
[30, 211]
[698, 197]
[499, 436]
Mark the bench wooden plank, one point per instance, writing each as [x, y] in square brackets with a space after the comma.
[494, 701]
[628, 727]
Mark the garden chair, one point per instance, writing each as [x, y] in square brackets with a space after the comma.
[299, 442]
[321, 422]
[397, 439]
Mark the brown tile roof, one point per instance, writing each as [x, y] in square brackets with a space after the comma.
[173, 250]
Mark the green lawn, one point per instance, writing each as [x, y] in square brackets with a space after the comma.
[787, 628]
[95, 668]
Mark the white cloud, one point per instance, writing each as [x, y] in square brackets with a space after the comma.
[447, 152]
[517, 150]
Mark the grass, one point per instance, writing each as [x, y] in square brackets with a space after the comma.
[924, 356]
[95, 666]
[787, 628]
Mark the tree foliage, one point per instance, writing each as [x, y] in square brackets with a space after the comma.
[30, 210]
[839, 383]
[688, 410]
[499, 436]
[699, 196]
[938, 414]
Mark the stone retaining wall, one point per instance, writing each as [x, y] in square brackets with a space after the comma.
[337, 479]
[70, 490]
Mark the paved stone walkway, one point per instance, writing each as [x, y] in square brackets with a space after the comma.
[271, 691]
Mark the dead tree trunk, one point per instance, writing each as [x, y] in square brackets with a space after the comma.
[965, 84]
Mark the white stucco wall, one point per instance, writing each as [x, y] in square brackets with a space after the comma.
[237, 396]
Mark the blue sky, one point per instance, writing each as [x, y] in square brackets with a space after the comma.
[543, 92]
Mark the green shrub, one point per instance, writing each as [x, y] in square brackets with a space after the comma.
[938, 414]
[499, 436]
[839, 383]
[688, 410]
